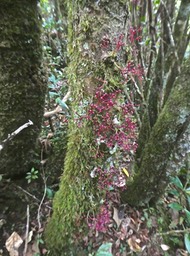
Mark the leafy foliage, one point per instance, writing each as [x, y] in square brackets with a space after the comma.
[32, 175]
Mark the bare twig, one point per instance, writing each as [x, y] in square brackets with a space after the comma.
[40, 206]
[26, 192]
[182, 231]
[32, 196]
[27, 230]
[138, 90]
[171, 35]
[135, 111]
[17, 131]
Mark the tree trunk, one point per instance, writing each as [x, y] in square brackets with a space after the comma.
[22, 83]
[78, 193]
[170, 135]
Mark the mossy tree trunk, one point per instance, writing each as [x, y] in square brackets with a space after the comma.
[22, 82]
[78, 195]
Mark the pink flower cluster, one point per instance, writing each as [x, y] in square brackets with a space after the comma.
[131, 69]
[112, 121]
[105, 42]
[102, 219]
[134, 34]
[109, 179]
[119, 42]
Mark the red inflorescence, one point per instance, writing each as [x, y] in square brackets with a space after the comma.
[131, 69]
[134, 34]
[119, 42]
[102, 219]
[105, 43]
[112, 121]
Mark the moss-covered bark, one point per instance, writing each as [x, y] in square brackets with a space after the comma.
[153, 172]
[88, 23]
[22, 82]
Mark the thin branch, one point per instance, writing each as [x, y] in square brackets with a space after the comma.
[32, 196]
[17, 131]
[138, 89]
[27, 230]
[135, 111]
[175, 232]
[172, 41]
[40, 206]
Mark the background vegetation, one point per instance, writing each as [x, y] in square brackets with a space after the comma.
[114, 142]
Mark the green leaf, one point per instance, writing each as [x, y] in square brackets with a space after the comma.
[187, 191]
[177, 182]
[49, 193]
[187, 242]
[187, 213]
[175, 206]
[105, 250]
[157, 2]
[52, 94]
[63, 105]
[174, 192]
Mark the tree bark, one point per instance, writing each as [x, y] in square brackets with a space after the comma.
[22, 83]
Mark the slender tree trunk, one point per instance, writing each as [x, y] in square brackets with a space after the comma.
[22, 82]
[167, 147]
[166, 69]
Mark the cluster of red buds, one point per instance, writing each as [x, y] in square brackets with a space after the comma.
[134, 34]
[131, 70]
[112, 121]
[101, 220]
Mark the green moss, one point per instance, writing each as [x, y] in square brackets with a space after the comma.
[72, 200]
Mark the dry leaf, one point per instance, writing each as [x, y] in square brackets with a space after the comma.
[30, 235]
[13, 243]
[43, 161]
[133, 245]
[50, 135]
[165, 247]
[115, 217]
[125, 171]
